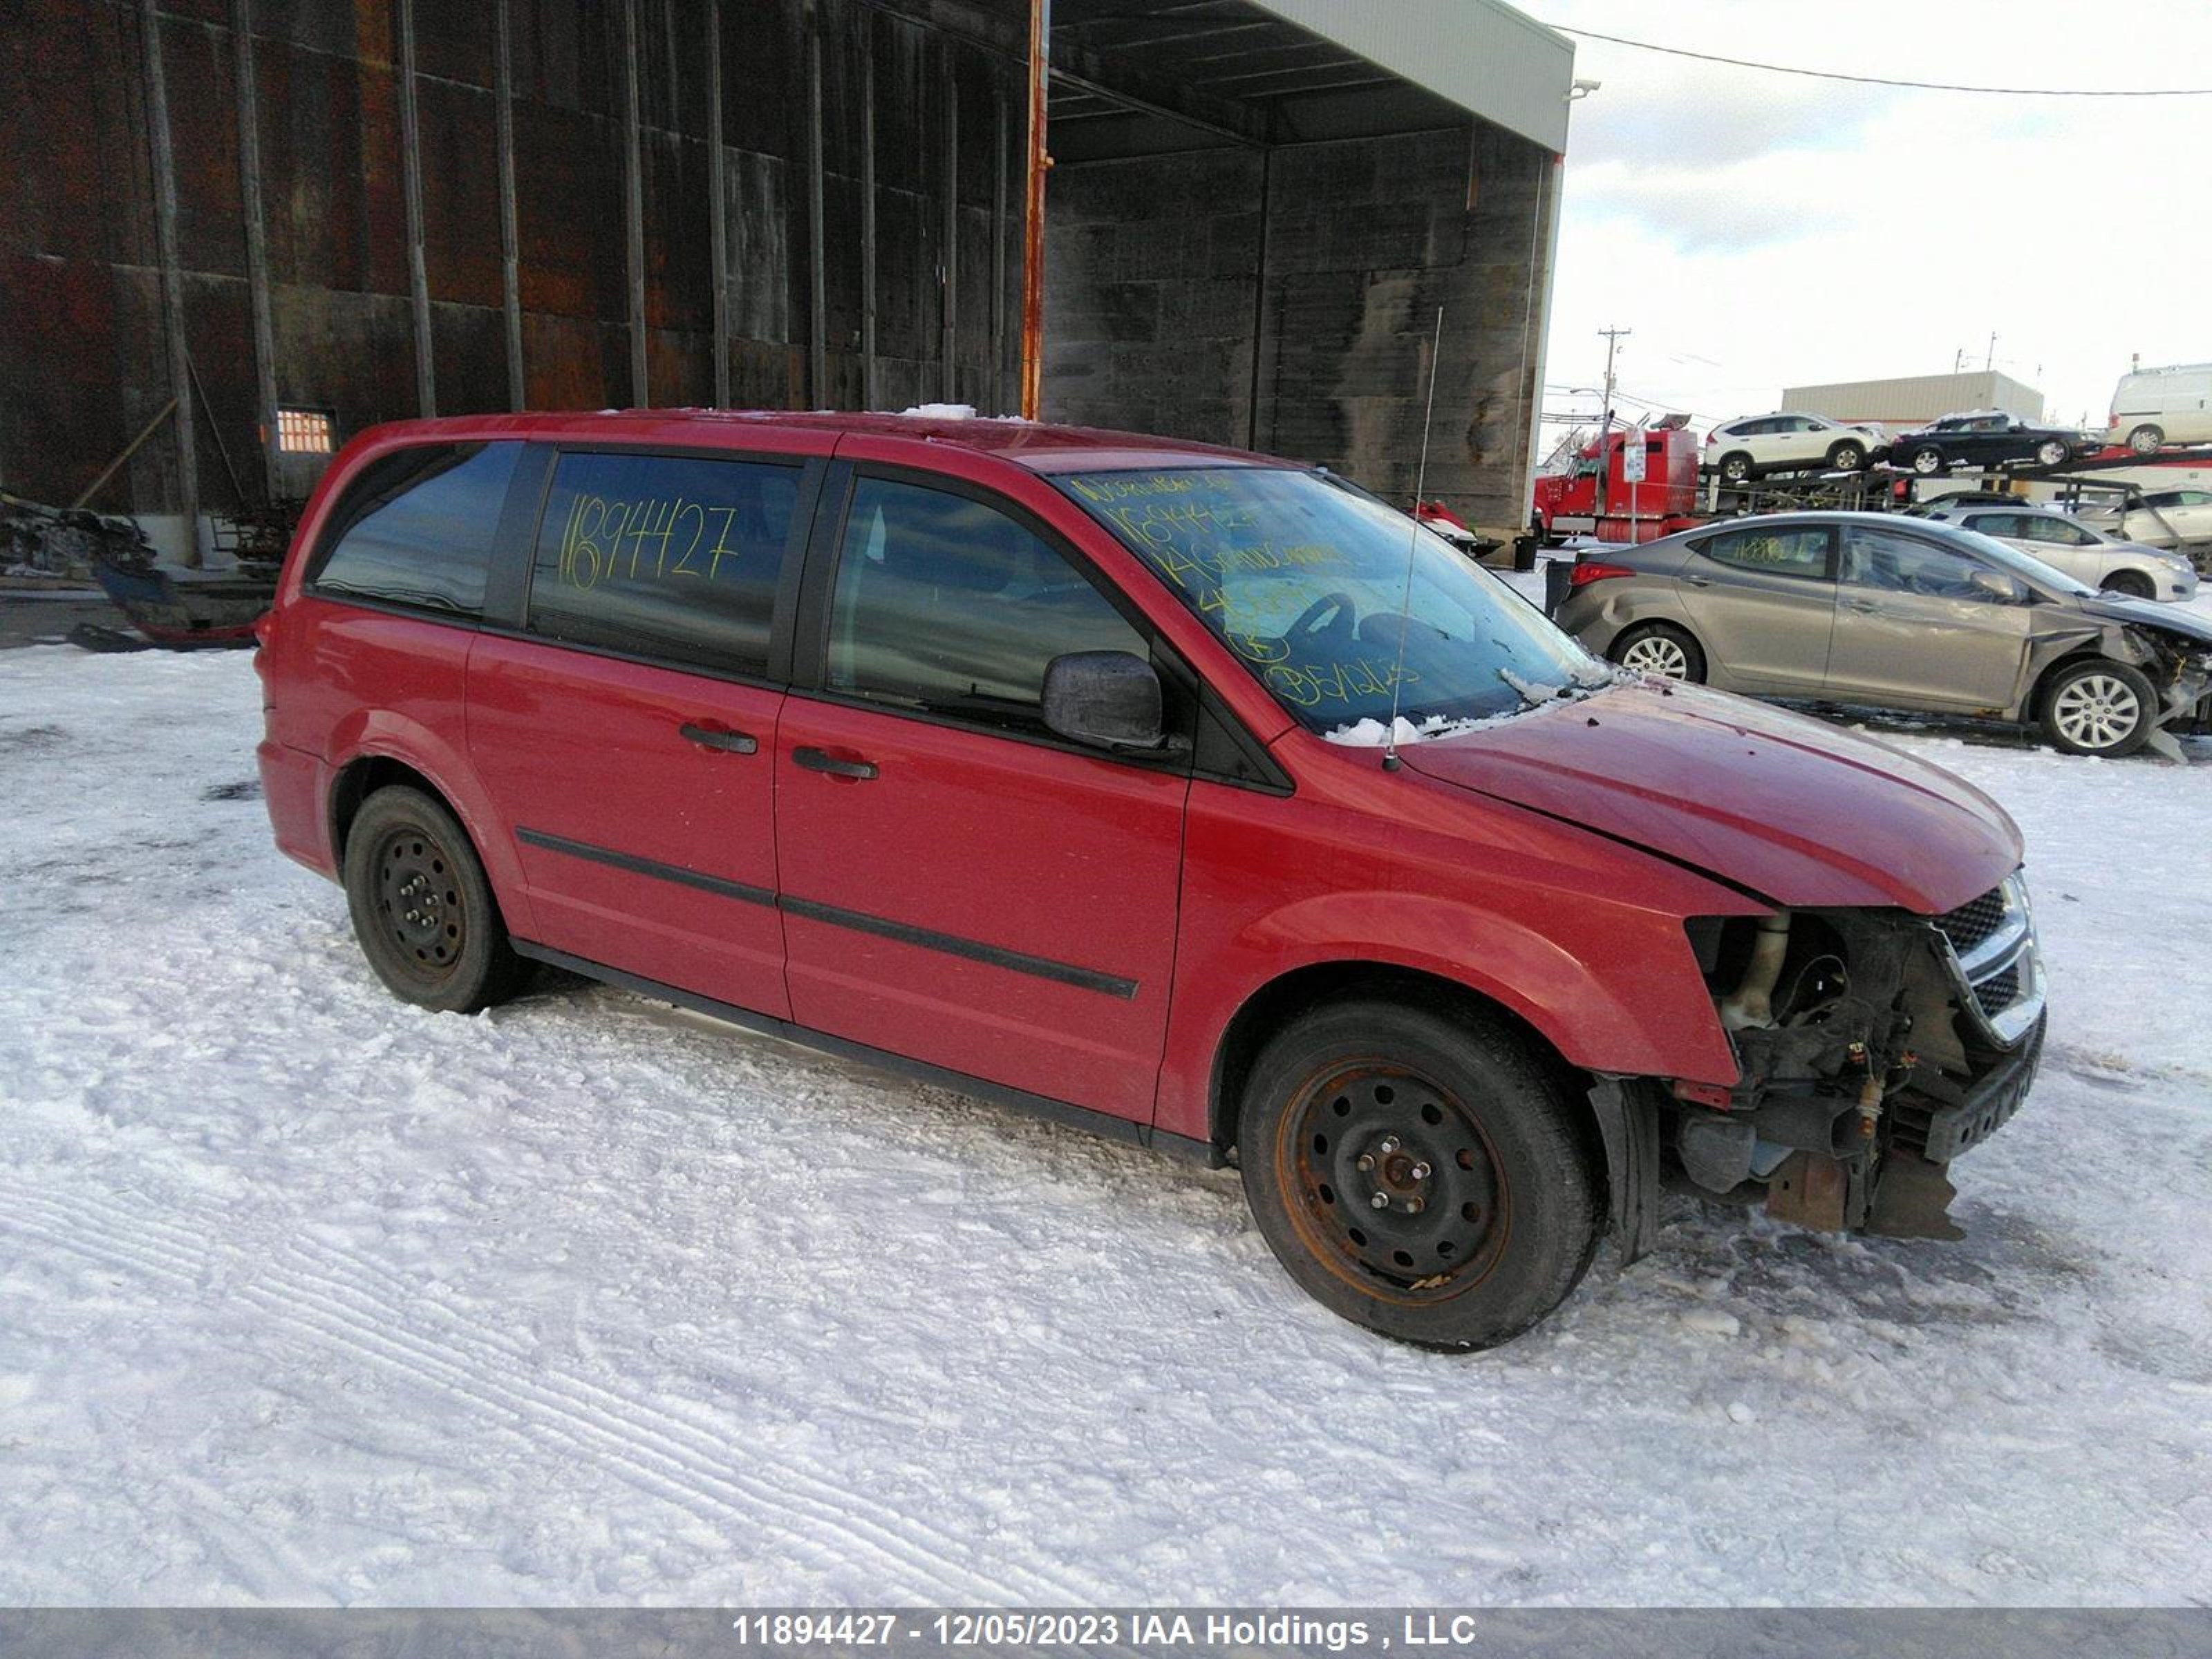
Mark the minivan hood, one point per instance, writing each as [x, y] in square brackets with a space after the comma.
[1794, 810]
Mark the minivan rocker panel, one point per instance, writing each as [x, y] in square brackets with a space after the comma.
[1450, 1011]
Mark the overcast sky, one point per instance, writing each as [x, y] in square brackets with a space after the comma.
[1758, 230]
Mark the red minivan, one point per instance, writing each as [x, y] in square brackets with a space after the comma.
[1059, 766]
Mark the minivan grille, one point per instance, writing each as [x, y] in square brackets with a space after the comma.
[1973, 921]
[1993, 952]
[1998, 992]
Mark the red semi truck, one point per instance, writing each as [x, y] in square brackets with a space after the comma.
[1600, 497]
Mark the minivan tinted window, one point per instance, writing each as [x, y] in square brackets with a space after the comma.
[667, 556]
[946, 603]
[417, 528]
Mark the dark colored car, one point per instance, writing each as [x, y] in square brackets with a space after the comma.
[1987, 438]
[1044, 763]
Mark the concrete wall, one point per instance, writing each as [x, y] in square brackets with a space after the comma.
[1164, 273]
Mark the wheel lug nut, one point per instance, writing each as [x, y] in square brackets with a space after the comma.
[1366, 1163]
[1390, 1143]
[1421, 1172]
[1415, 1206]
[1380, 1201]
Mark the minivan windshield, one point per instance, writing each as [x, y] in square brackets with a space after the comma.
[1307, 583]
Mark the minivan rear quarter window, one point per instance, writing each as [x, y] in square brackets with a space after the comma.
[416, 530]
[672, 558]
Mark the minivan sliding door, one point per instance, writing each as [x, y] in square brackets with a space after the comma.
[628, 732]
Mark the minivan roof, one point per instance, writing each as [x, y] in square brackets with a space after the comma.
[1032, 444]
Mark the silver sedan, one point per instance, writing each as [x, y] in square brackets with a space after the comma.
[1897, 613]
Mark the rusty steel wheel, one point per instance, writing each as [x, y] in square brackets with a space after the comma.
[421, 907]
[1420, 1168]
[1402, 1194]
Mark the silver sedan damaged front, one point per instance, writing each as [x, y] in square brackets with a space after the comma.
[2177, 664]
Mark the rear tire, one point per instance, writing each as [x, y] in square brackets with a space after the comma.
[422, 907]
[1660, 648]
[1493, 1197]
[2098, 708]
[2147, 439]
[2053, 452]
[1736, 469]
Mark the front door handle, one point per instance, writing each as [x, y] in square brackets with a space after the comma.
[815, 760]
[707, 737]
[1698, 581]
[1868, 606]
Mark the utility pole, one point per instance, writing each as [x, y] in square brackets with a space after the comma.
[1614, 336]
[1990, 361]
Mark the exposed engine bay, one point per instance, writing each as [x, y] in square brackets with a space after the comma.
[1874, 1046]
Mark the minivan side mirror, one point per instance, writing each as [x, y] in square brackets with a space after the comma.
[1107, 699]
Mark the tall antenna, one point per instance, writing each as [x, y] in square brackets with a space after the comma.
[1613, 336]
[1413, 547]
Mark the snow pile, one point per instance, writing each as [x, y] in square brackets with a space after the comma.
[941, 411]
[307, 1297]
[1371, 733]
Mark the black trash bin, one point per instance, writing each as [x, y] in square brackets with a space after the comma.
[1524, 552]
[1559, 577]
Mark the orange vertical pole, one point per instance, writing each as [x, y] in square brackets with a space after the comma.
[1033, 214]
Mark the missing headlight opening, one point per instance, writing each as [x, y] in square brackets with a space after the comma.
[1874, 1047]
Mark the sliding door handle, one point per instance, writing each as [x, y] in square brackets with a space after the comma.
[815, 760]
[709, 737]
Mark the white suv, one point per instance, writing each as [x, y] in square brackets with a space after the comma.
[2086, 555]
[1752, 445]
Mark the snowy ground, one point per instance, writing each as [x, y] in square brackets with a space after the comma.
[307, 1298]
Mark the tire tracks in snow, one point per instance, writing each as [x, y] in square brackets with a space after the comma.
[350, 1304]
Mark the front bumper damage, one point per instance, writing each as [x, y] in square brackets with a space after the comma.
[1875, 1047]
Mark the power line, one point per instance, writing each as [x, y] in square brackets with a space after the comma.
[1882, 81]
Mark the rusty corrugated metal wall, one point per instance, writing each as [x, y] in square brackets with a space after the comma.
[84, 358]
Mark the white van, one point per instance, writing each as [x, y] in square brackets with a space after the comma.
[2156, 406]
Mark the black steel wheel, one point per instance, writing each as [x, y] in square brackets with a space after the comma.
[1419, 1172]
[422, 907]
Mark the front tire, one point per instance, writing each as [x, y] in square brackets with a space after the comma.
[1421, 1174]
[2053, 452]
[423, 909]
[1846, 457]
[2130, 583]
[1927, 462]
[2098, 708]
[1660, 648]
